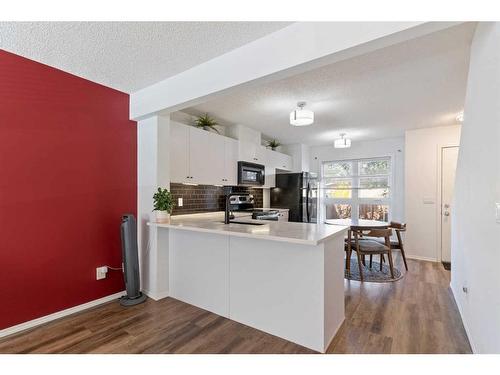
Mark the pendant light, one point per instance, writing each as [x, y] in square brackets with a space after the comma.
[301, 116]
[342, 142]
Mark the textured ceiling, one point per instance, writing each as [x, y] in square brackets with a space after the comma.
[128, 55]
[415, 84]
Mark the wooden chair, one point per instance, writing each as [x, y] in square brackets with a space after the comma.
[373, 246]
[398, 244]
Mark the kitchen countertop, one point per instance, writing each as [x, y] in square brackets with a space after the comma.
[213, 222]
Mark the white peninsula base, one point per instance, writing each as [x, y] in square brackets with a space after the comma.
[288, 289]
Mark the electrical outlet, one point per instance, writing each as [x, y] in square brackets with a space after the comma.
[179, 202]
[101, 272]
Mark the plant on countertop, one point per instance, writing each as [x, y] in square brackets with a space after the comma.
[273, 144]
[163, 200]
[206, 122]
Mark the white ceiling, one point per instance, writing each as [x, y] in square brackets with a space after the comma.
[415, 84]
[128, 56]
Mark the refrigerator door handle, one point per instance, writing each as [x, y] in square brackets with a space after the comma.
[308, 214]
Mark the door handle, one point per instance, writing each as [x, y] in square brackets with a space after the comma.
[446, 213]
[446, 205]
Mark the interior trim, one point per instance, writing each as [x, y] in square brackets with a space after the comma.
[60, 314]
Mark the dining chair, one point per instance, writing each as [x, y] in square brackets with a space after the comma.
[373, 246]
[397, 244]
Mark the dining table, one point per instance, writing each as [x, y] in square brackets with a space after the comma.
[356, 225]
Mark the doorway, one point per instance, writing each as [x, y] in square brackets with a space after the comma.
[449, 156]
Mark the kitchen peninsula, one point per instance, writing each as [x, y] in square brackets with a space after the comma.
[283, 278]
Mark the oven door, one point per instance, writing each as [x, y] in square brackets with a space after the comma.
[250, 174]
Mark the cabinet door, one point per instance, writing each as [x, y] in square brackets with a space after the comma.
[179, 153]
[206, 157]
[230, 162]
[282, 161]
[261, 155]
[267, 160]
[247, 151]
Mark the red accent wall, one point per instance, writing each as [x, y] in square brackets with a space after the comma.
[68, 171]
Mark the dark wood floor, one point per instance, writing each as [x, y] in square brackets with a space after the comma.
[416, 314]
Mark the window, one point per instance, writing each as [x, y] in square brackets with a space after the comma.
[357, 189]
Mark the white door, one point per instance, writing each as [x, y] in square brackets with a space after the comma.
[449, 157]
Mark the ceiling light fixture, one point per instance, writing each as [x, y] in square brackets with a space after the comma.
[460, 117]
[301, 116]
[342, 142]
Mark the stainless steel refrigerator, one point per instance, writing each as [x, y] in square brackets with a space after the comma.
[299, 193]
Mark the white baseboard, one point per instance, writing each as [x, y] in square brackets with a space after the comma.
[464, 321]
[416, 257]
[156, 296]
[59, 314]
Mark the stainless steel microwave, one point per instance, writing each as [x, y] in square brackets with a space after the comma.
[251, 174]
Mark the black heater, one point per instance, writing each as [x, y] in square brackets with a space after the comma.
[130, 262]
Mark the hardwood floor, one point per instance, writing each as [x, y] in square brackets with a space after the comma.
[416, 314]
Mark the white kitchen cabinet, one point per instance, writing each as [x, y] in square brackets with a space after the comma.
[251, 152]
[179, 153]
[206, 157]
[281, 161]
[230, 176]
[274, 160]
[201, 157]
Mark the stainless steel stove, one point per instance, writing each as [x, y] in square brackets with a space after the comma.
[246, 202]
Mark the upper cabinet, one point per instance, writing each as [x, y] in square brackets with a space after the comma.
[200, 157]
[230, 162]
[179, 153]
[281, 161]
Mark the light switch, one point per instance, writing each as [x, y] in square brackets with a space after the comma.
[179, 202]
[498, 212]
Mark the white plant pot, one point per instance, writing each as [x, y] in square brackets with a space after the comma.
[163, 217]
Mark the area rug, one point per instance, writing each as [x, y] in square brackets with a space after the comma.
[373, 275]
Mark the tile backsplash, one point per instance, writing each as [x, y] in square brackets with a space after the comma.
[207, 198]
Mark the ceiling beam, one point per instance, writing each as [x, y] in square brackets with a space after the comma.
[295, 49]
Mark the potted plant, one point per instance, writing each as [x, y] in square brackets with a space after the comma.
[273, 144]
[163, 203]
[206, 122]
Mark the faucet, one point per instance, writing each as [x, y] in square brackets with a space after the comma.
[227, 213]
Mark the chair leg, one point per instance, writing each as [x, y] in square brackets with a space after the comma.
[371, 259]
[363, 260]
[400, 242]
[349, 253]
[404, 257]
[359, 265]
[381, 261]
[348, 262]
[389, 255]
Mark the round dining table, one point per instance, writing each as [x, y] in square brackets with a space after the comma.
[356, 225]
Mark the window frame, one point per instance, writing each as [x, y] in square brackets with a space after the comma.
[355, 201]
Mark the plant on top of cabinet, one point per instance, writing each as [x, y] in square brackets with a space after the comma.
[273, 144]
[163, 204]
[206, 122]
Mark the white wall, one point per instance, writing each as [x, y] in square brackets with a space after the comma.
[393, 147]
[153, 170]
[475, 234]
[422, 169]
